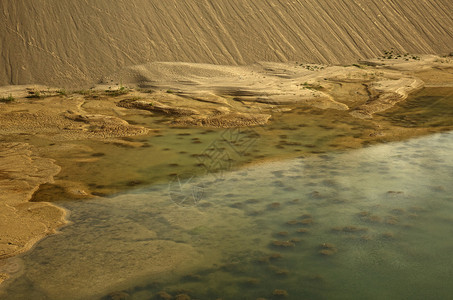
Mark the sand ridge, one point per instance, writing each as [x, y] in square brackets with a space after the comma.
[70, 43]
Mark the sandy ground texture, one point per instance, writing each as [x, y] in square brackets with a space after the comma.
[189, 95]
[23, 223]
[23, 171]
[68, 43]
[231, 96]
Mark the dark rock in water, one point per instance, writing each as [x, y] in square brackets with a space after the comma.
[351, 229]
[327, 252]
[162, 295]
[397, 211]
[294, 201]
[134, 183]
[283, 244]
[182, 297]
[278, 173]
[394, 193]
[280, 293]
[282, 233]
[306, 222]
[279, 183]
[315, 277]
[293, 222]
[280, 272]
[237, 205]
[295, 240]
[254, 213]
[275, 256]
[289, 189]
[252, 281]
[117, 296]
[274, 205]
[306, 216]
[391, 220]
[388, 235]
[267, 258]
[252, 201]
[192, 277]
[328, 249]
[328, 246]
[372, 219]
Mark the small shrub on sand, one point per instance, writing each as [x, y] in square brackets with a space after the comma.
[34, 94]
[122, 90]
[8, 99]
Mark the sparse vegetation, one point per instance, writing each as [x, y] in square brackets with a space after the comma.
[393, 54]
[34, 94]
[8, 99]
[312, 67]
[122, 90]
[84, 92]
[61, 92]
[311, 86]
[358, 66]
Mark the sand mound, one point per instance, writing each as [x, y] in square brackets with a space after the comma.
[78, 42]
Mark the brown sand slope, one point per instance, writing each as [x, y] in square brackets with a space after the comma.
[70, 42]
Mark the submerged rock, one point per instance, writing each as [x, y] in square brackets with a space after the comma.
[328, 249]
[282, 233]
[118, 296]
[350, 229]
[182, 297]
[274, 205]
[163, 295]
[283, 244]
[280, 293]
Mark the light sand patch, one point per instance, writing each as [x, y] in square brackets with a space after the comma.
[24, 223]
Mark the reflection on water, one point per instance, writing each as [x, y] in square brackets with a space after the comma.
[373, 223]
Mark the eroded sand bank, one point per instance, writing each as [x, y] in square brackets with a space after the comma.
[193, 95]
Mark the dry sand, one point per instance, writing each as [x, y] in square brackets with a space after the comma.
[68, 43]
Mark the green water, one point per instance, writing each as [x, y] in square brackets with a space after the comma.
[179, 216]
[387, 210]
[108, 168]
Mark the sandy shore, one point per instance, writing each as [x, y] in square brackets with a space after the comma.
[194, 95]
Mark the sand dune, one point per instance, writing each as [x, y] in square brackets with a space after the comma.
[71, 43]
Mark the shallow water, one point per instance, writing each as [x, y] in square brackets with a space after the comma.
[373, 223]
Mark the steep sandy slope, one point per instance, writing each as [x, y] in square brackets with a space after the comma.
[71, 42]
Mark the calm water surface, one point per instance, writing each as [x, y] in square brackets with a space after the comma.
[374, 223]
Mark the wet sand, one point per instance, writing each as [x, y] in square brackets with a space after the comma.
[43, 123]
